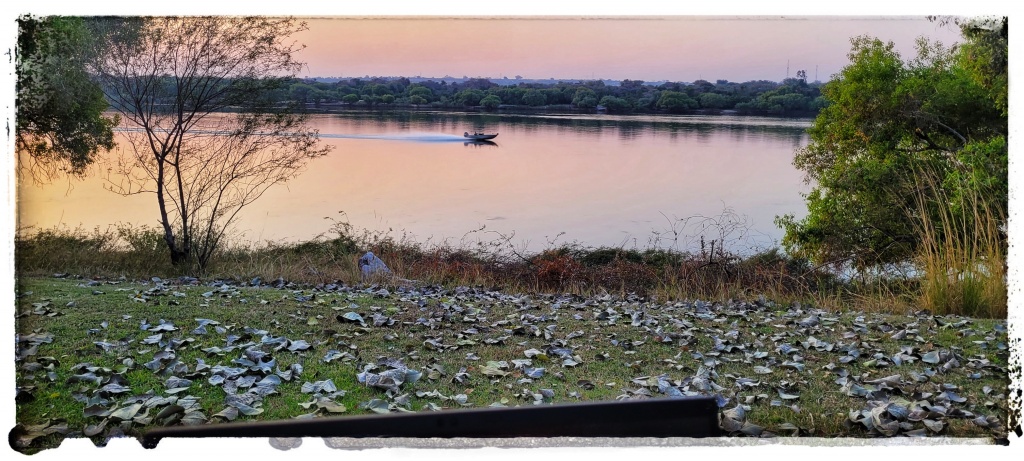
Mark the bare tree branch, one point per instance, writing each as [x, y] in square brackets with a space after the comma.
[190, 90]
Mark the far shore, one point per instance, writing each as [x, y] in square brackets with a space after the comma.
[567, 109]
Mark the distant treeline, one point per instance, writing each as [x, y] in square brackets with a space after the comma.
[793, 96]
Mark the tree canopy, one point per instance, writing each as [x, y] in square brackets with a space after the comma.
[888, 123]
[60, 126]
[792, 97]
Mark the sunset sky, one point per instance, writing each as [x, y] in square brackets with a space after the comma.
[641, 39]
[675, 48]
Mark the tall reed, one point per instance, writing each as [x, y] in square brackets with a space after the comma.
[962, 258]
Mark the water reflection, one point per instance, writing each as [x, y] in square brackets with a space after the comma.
[596, 179]
[483, 143]
[591, 123]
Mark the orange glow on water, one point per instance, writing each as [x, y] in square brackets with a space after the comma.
[603, 180]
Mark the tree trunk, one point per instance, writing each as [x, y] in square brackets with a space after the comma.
[179, 257]
[179, 254]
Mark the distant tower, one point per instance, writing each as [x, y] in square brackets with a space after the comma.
[787, 68]
[815, 72]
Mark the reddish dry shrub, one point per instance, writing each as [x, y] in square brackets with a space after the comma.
[627, 276]
[557, 271]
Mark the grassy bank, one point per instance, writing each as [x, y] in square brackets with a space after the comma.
[106, 358]
[710, 271]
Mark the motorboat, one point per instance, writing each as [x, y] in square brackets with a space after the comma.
[479, 136]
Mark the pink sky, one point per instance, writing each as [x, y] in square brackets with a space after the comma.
[675, 48]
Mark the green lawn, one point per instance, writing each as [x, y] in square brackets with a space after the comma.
[110, 358]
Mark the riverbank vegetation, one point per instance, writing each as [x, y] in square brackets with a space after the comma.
[708, 269]
[909, 165]
[791, 97]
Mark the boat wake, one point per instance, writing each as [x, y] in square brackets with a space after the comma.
[408, 137]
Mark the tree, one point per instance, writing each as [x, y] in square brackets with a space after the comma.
[886, 121]
[714, 101]
[421, 91]
[534, 97]
[378, 89]
[490, 102]
[60, 126]
[203, 134]
[478, 84]
[703, 86]
[675, 101]
[469, 97]
[614, 104]
[985, 54]
[585, 98]
[302, 93]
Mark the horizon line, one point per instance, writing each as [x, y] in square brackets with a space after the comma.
[593, 79]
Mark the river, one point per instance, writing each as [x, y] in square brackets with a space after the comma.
[593, 179]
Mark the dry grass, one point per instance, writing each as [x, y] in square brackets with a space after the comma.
[712, 272]
[963, 255]
[666, 274]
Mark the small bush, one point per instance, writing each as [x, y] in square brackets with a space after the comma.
[117, 250]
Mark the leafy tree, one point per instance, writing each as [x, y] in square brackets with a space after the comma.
[714, 101]
[789, 102]
[556, 96]
[478, 84]
[302, 93]
[398, 85]
[631, 84]
[350, 98]
[318, 96]
[379, 89]
[585, 98]
[817, 104]
[422, 92]
[675, 101]
[985, 55]
[490, 102]
[646, 102]
[887, 120]
[703, 86]
[173, 80]
[59, 123]
[614, 104]
[507, 93]
[534, 97]
[469, 97]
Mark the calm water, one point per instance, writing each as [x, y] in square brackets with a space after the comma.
[595, 179]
